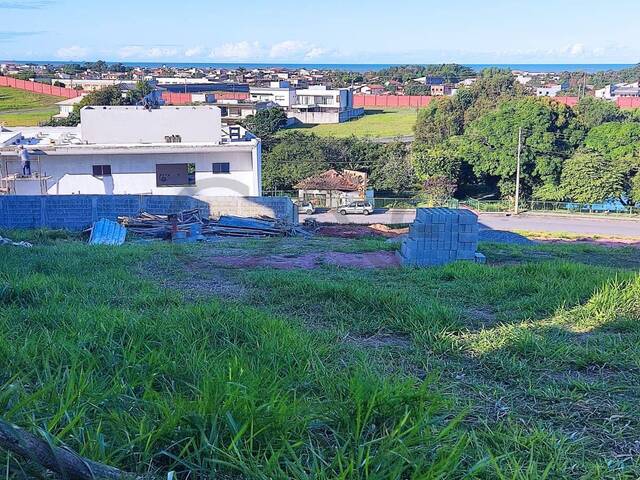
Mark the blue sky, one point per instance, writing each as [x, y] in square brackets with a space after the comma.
[322, 31]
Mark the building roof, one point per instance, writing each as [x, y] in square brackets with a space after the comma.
[331, 180]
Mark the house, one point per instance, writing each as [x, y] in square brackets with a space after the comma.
[551, 90]
[281, 93]
[332, 189]
[91, 85]
[317, 104]
[67, 106]
[442, 90]
[372, 90]
[611, 92]
[136, 150]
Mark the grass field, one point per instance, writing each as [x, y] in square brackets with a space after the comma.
[149, 358]
[374, 124]
[21, 108]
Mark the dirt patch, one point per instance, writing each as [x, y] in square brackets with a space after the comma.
[310, 260]
[379, 340]
[360, 231]
[481, 317]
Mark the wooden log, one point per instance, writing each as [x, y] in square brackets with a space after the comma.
[61, 460]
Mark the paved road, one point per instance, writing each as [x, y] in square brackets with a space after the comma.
[530, 222]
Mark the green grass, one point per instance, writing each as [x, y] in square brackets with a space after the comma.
[21, 108]
[524, 368]
[375, 124]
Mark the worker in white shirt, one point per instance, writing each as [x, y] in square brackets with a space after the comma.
[25, 160]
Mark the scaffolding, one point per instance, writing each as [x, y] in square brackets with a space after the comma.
[11, 178]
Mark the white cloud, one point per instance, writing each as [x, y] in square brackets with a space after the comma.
[237, 51]
[141, 51]
[74, 52]
[193, 52]
[315, 52]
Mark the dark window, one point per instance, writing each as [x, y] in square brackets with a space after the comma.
[221, 168]
[101, 170]
[175, 174]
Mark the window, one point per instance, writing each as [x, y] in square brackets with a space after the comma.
[221, 168]
[175, 174]
[101, 170]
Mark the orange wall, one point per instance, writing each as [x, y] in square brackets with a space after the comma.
[39, 87]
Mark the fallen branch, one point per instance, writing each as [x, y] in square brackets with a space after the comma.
[60, 460]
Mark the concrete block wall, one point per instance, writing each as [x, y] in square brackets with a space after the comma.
[77, 212]
[440, 236]
[275, 207]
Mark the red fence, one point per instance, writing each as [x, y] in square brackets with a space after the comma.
[568, 101]
[391, 101]
[38, 87]
[628, 102]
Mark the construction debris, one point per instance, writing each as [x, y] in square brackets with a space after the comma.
[106, 232]
[189, 224]
[8, 241]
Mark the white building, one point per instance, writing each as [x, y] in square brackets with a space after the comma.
[66, 106]
[280, 93]
[91, 85]
[317, 104]
[133, 150]
[548, 91]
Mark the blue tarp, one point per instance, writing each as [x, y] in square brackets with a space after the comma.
[107, 232]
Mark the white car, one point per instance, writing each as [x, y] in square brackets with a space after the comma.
[359, 207]
[306, 208]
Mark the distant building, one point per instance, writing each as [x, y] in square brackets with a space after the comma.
[91, 85]
[317, 104]
[550, 90]
[372, 90]
[67, 106]
[280, 93]
[441, 90]
[618, 90]
[133, 150]
[430, 80]
[332, 189]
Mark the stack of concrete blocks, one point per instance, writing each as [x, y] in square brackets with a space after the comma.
[440, 236]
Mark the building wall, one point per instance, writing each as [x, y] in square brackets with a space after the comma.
[304, 116]
[391, 101]
[77, 212]
[136, 173]
[120, 125]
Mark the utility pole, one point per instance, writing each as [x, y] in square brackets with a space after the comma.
[517, 204]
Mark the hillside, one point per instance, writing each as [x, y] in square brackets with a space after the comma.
[159, 357]
[21, 108]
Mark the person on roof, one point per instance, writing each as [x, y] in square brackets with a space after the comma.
[25, 160]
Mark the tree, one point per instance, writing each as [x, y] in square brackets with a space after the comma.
[25, 75]
[439, 160]
[105, 96]
[295, 157]
[393, 170]
[441, 119]
[438, 189]
[592, 112]
[616, 140]
[266, 122]
[551, 134]
[590, 177]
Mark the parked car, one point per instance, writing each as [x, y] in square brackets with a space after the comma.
[364, 208]
[306, 208]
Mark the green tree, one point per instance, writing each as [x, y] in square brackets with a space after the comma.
[295, 157]
[25, 75]
[439, 160]
[441, 119]
[393, 170]
[590, 177]
[551, 134]
[266, 122]
[592, 112]
[617, 140]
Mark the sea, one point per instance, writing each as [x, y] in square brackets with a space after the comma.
[364, 67]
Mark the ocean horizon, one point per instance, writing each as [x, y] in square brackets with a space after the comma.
[358, 67]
